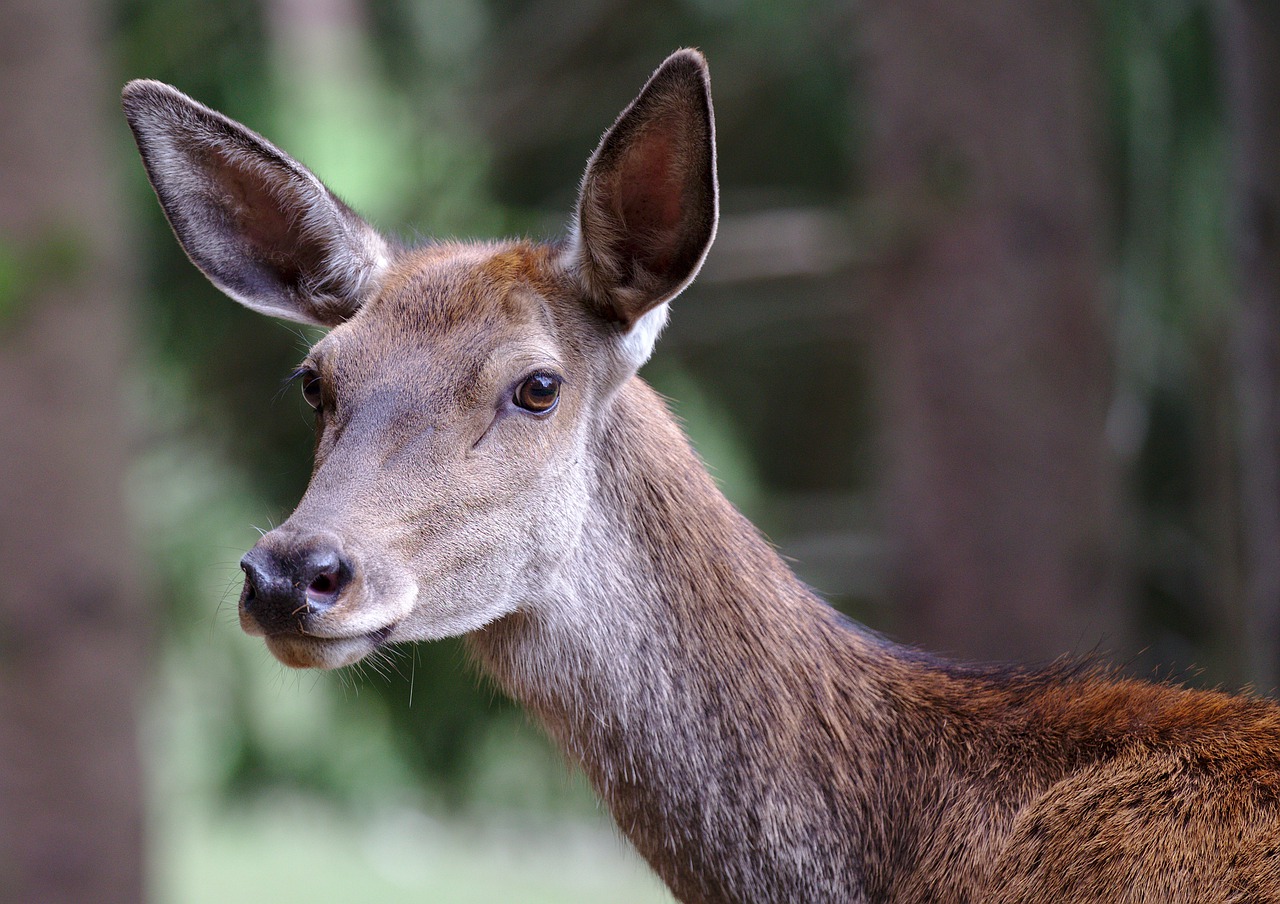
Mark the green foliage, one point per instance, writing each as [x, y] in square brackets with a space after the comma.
[296, 849]
[1173, 313]
[54, 256]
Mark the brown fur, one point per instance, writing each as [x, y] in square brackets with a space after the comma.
[753, 744]
[907, 778]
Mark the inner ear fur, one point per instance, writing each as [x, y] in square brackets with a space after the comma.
[256, 222]
[648, 204]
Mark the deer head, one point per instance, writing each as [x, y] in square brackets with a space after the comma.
[457, 392]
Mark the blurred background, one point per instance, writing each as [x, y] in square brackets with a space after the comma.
[987, 345]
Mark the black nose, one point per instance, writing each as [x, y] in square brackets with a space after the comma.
[283, 588]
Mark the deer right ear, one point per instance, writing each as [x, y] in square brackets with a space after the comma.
[259, 224]
[648, 205]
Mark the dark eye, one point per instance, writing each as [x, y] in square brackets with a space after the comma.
[538, 393]
[311, 389]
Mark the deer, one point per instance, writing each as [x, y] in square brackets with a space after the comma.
[488, 464]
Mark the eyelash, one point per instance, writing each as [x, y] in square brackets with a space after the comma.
[310, 380]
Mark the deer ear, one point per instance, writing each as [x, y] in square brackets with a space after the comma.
[259, 224]
[647, 207]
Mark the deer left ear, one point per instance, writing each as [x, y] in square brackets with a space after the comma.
[647, 208]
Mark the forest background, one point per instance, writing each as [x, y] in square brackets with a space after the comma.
[987, 345]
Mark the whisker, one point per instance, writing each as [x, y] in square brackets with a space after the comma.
[413, 673]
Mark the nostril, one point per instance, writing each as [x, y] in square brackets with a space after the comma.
[324, 584]
[326, 573]
[267, 590]
[254, 577]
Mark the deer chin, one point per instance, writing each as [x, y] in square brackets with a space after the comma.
[303, 651]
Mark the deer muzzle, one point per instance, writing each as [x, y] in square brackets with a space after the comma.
[290, 585]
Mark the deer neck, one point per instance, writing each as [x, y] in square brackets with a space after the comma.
[678, 659]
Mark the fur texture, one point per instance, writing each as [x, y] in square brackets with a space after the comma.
[757, 747]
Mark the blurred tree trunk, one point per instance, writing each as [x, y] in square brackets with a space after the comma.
[993, 363]
[1251, 57]
[71, 665]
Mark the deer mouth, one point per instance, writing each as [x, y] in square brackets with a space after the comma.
[307, 651]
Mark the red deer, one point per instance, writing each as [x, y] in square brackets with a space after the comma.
[488, 464]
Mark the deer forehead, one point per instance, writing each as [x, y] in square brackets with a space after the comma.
[471, 313]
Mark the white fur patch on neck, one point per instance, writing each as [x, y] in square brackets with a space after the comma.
[637, 345]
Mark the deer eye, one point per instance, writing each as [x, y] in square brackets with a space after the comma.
[311, 388]
[537, 393]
